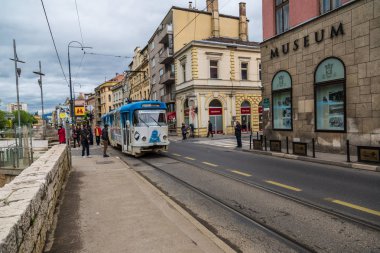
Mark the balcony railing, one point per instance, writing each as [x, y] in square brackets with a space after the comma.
[163, 36]
[166, 55]
[167, 77]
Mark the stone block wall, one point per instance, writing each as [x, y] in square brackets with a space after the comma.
[27, 203]
[359, 50]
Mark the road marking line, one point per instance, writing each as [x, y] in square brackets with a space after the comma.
[360, 208]
[190, 158]
[210, 164]
[176, 154]
[241, 173]
[284, 186]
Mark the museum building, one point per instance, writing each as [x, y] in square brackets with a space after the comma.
[321, 72]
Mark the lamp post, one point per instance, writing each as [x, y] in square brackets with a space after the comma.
[71, 91]
[42, 100]
[18, 73]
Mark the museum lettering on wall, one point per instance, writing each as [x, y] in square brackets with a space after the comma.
[318, 37]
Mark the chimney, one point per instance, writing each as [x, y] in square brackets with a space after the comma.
[209, 5]
[190, 5]
[215, 29]
[243, 25]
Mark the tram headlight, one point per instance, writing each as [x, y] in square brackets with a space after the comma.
[164, 137]
[143, 138]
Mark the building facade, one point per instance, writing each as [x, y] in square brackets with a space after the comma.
[138, 75]
[117, 95]
[11, 107]
[321, 71]
[103, 96]
[179, 27]
[218, 80]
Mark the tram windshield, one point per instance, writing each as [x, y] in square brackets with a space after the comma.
[149, 118]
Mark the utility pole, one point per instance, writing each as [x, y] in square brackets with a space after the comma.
[42, 100]
[18, 73]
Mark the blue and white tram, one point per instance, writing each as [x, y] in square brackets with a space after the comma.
[138, 127]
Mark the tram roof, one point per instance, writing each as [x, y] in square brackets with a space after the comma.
[146, 104]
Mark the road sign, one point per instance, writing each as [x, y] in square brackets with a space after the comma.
[62, 115]
[266, 104]
[79, 111]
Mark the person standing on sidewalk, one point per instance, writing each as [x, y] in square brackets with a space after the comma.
[77, 138]
[98, 134]
[91, 136]
[209, 129]
[84, 138]
[61, 135]
[184, 131]
[238, 134]
[105, 139]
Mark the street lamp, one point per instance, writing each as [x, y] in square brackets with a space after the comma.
[18, 73]
[71, 91]
[42, 100]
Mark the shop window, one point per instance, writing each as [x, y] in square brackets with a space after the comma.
[282, 16]
[282, 101]
[244, 70]
[186, 111]
[330, 96]
[213, 69]
[329, 5]
[245, 117]
[215, 111]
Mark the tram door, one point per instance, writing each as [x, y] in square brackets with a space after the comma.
[126, 135]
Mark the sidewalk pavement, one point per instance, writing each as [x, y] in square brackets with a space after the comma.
[107, 207]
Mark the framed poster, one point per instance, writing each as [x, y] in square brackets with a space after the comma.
[282, 101]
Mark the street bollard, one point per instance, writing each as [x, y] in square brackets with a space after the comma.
[265, 143]
[287, 144]
[257, 135]
[313, 142]
[250, 142]
[348, 151]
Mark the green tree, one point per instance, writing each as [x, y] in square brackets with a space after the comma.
[3, 120]
[25, 118]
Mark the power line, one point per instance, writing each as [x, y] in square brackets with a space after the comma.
[109, 55]
[52, 37]
[80, 27]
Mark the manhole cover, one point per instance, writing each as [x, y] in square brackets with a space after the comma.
[105, 162]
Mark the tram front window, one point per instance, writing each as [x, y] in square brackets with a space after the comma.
[149, 118]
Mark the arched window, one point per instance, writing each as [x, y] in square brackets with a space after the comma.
[282, 101]
[215, 103]
[330, 96]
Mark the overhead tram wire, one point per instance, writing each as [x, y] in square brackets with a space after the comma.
[110, 55]
[80, 27]
[52, 37]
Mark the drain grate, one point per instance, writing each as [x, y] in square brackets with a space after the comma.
[104, 162]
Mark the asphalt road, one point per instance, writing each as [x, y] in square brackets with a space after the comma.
[352, 192]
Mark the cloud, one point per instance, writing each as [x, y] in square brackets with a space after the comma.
[110, 26]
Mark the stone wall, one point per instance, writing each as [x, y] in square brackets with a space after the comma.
[27, 204]
[359, 50]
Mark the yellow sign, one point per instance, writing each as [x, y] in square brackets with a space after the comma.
[79, 111]
[62, 115]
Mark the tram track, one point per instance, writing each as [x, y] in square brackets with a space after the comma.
[288, 197]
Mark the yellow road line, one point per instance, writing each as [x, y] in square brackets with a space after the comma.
[284, 186]
[210, 164]
[360, 208]
[241, 173]
[176, 154]
[190, 158]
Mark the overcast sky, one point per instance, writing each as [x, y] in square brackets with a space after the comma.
[112, 27]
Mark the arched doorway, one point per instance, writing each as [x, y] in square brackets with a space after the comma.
[186, 112]
[245, 111]
[215, 112]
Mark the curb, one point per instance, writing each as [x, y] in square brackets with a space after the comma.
[216, 240]
[355, 165]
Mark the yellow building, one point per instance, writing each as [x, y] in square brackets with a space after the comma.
[138, 75]
[218, 80]
[103, 96]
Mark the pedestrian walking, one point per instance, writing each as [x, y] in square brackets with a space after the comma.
[192, 130]
[238, 134]
[77, 138]
[209, 129]
[98, 134]
[84, 139]
[105, 139]
[74, 135]
[91, 136]
[184, 131]
[61, 135]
